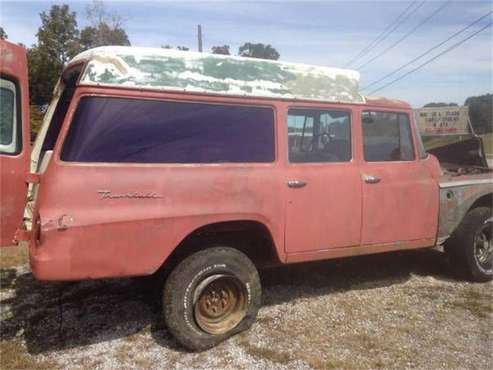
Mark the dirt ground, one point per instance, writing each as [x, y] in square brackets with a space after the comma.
[401, 310]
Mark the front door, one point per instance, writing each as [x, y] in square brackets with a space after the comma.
[323, 208]
[400, 196]
[14, 138]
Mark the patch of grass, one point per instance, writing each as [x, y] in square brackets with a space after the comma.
[133, 338]
[265, 320]
[265, 353]
[124, 353]
[319, 363]
[478, 304]
[143, 363]
[14, 256]
[13, 355]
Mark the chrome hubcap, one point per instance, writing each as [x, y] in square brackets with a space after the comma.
[483, 246]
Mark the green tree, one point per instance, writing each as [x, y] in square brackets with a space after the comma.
[223, 50]
[437, 105]
[58, 35]
[260, 51]
[105, 28]
[182, 48]
[43, 75]
[3, 34]
[103, 34]
[57, 43]
[481, 113]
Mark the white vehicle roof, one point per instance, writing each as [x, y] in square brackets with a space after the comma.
[166, 69]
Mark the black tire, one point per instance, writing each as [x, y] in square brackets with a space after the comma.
[189, 279]
[462, 250]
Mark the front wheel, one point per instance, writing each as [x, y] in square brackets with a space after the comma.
[470, 248]
[210, 296]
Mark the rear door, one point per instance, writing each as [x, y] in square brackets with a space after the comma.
[323, 208]
[14, 138]
[400, 197]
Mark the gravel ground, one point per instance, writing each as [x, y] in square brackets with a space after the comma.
[400, 310]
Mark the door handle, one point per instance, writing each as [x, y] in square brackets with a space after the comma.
[296, 183]
[370, 179]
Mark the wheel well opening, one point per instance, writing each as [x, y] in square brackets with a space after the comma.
[250, 237]
[484, 201]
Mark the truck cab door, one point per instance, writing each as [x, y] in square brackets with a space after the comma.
[400, 191]
[14, 138]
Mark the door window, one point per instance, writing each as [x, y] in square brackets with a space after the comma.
[9, 143]
[387, 136]
[316, 135]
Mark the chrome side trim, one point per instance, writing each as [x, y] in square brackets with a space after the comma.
[451, 184]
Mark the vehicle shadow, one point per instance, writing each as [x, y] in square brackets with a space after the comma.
[354, 273]
[57, 316]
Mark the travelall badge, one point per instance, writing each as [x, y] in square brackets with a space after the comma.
[107, 194]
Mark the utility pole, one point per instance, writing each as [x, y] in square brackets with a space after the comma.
[199, 35]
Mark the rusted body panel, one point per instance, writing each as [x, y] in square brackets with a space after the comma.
[403, 207]
[114, 232]
[13, 187]
[457, 195]
[104, 220]
[101, 220]
[94, 220]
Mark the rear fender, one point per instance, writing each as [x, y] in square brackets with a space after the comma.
[139, 247]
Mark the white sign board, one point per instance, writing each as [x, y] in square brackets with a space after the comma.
[442, 121]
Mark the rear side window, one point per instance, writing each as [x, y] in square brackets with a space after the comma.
[387, 137]
[148, 131]
[9, 135]
[319, 135]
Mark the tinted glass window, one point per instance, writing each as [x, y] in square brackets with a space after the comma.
[387, 137]
[147, 131]
[319, 135]
[8, 117]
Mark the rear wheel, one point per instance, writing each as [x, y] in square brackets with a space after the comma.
[470, 248]
[210, 296]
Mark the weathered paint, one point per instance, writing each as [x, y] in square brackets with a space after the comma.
[403, 205]
[13, 187]
[79, 233]
[130, 235]
[166, 69]
[457, 195]
[85, 236]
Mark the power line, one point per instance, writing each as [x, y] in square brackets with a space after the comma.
[438, 10]
[382, 34]
[427, 51]
[399, 21]
[432, 59]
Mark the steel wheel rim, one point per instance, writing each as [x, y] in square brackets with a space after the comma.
[220, 303]
[483, 246]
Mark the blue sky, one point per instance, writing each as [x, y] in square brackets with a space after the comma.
[314, 32]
